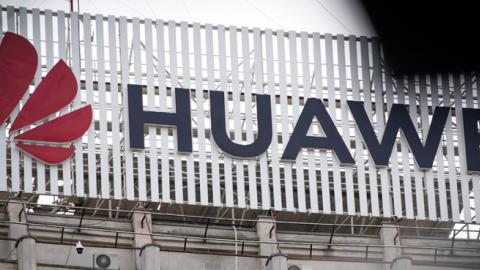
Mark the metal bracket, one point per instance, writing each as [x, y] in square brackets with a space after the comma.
[81, 219]
[331, 235]
[143, 219]
[206, 229]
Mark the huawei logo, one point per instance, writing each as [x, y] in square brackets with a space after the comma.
[48, 141]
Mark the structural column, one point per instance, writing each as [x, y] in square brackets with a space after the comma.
[147, 255]
[25, 244]
[392, 252]
[267, 235]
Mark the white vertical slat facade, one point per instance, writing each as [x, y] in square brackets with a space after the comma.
[367, 97]
[40, 175]
[237, 93]
[62, 54]
[299, 179]
[14, 152]
[102, 110]
[115, 111]
[287, 167]
[108, 53]
[342, 76]
[3, 137]
[27, 160]
[312, 174]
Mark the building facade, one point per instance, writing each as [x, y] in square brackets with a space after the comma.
[222, 147]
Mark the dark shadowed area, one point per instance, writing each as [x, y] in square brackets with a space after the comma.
[427, 36]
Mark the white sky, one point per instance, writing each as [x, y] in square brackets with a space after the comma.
[323, 16]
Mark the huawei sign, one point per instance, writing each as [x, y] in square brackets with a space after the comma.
[46, 141]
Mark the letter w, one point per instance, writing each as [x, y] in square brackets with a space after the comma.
[399, 119]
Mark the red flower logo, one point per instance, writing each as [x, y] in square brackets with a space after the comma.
[18, 63]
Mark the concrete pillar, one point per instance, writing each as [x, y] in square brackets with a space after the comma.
[25, 244]
[26, 253]
[401, 263]
[150, 254]
[266, 233]
[392, 253]
[277, 262]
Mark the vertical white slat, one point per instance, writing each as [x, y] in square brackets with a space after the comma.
[50, 62]
[461, 149]
[104, 164]
[476, 196]
[452, 175]
[424, 116]
[277, 189]
[345, 121]
[247, 88]
[300, 178]
[62, 46]
[186, 84]
[14, 152]
[216, 194]
[442, 190]
[27, 160]
[92, 167]
[476, 176]
[11, 22]
[468, 97]
[367, 97]
[359, 158]
[312, 173]
[236, 96]
[417, 173]
[379, 113]
[326, 208]
[11, 25]
[407, 180]
[285, 123]
[223, 87]
[152, 131]
[3, 137]
[264, 175]
[75, 65]
[337, 184]
[137, 67]
[62, 54]
[202, 155]
[112, 50]
[397, 192]
[177, 163]
[162, 89]
[37, 79]
[125, 68]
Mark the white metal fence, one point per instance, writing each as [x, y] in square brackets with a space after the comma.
[107, 53]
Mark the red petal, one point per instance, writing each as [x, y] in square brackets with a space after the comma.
[18, 62]
[55, 91]
[65, 128]
[48, 154]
